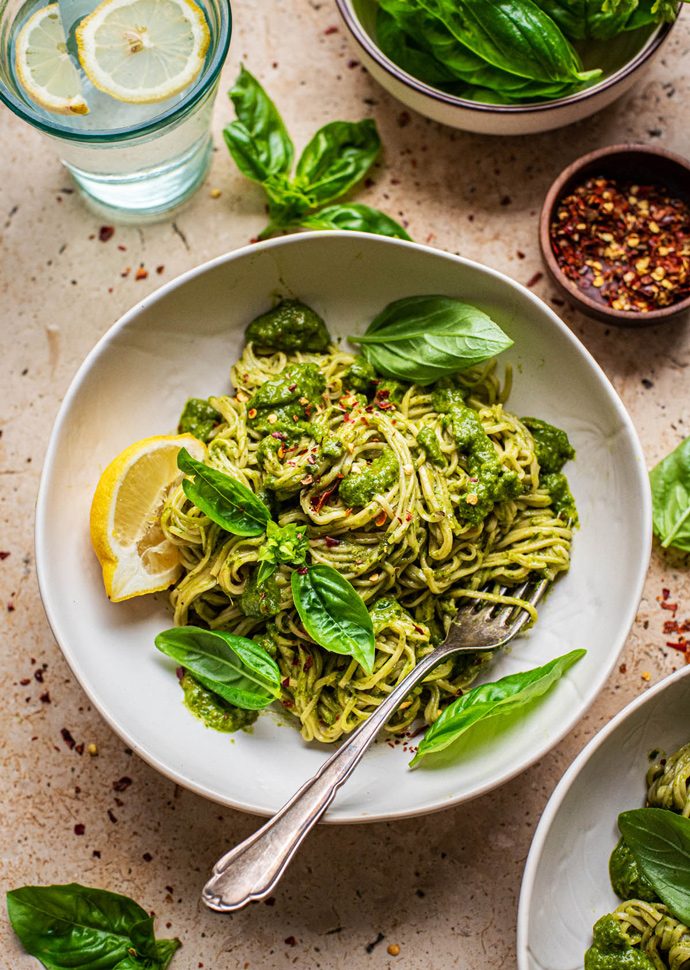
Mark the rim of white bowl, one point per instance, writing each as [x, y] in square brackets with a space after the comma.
[42, 552]
[364, 39]
[558, 797]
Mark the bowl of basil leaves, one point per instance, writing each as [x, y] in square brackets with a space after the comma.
[607, 880]
[507, 67]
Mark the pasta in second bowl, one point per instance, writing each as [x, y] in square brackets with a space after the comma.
[181, 343]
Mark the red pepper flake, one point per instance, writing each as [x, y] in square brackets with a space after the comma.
[141, 273]
[665, 593]
[535, 279]
[271, 901]
[4, 555]
[627, 245]
[123, 784]
[147, 857]
[288, 703]
[328, 31]
[111, 816]
[179, 671]
[123, 249]
[24, 681]
[38, 675]
[45, 697]
[127, 271]
[160, 269]
[670, 626]
[286, 682]
[291, 941]
[67, 738]
[623, 668]
[79, 829]
[308, 663]
[105, 233]
[11, 607]
[352, 64]
[330, 543]
[79, 748]
[669, 606]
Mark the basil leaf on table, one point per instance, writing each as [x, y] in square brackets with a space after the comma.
[258, 141]
[222, 498]
[237, 669]
[424, 338]
[357, 218]
[339, 155]
[514, 35]
[660, 842]
[670, 483]
[334, 614]
[500, 698]
[73, 926]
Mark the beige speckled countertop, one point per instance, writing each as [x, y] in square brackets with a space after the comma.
[445, 888]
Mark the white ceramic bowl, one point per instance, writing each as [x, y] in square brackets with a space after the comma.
[180, 342]
[565, 888]
[623, 60]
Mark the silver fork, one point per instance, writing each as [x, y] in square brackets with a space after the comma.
[252, 869]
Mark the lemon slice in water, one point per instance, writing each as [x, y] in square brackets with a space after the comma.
[143, 51]
[44, 68]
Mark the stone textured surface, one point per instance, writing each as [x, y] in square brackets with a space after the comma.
[444, 888]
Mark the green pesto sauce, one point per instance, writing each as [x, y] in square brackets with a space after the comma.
[360, 487]
[493, 482]
[214, 711]
[390, 390]
[268, 640]
[611, 949]
[551, 445]
[292, 325]
[431, 446]
[447, 394]
[385, 611]
[198, 418]
[281, 397]
[627, 880]
[426, 614]
[561, 497]
[260, 601]
[332, 447]
[360, 375]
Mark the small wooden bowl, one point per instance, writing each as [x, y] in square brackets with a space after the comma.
[625, 163]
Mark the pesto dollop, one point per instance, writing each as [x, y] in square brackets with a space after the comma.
[215, 712]
[562, 500]
[385, 611]
[447, 394]
[431, 447]
[551, 445]
[292, 325]
[489, 482]
[260, 600]
[627, 879]
[612, 949]
[198, 418]
[285, 402]
[358, 488]
[360, 375]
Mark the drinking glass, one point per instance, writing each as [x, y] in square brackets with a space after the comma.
[134, 161]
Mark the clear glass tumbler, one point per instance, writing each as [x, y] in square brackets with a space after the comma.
[148, 158]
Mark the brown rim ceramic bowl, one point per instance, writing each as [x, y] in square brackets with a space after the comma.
[623, 62]
[625, 163]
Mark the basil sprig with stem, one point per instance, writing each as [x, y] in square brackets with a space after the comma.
[424, 338]
[338, 156]
[670, 483]
[235, 668]
[288, 544]
[67, 927]
[333, 613]
[498, 699]
[222, 498]
[660, 842]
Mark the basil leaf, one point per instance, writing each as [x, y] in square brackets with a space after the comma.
[423, 338]
[660, 841]
[73, 926]
[258, 141]
[334, 614]
[514, 35]
[237, 669]
[166, 951]
[670, 482]
[503, 697]
[338, 156]
[582, 19]
[358, 218]
[288, 544]
[222, 498]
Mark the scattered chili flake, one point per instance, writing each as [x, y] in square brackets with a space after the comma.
[24, 681]
[626, 245]
[682, 645]
[670, 626]
[38, 675]
[328, 31]
[160, 269]
[286, 682]
[123, 784]
[111, 816]
[669, 606]
[147, 857]
[79, 748]
[665, 593]
[105, 233]
[79, 829]
[535, 279]
[67, 738]
[4, 555]
[45, 697]
[291, 941]
[381, 518]
[11, 607]
[623, 668]
[141, 273]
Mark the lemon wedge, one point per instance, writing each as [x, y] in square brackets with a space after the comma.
[43, 66]
[134, 553]
[143, 51]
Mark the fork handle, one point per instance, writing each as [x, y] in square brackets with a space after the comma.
[252, 869]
